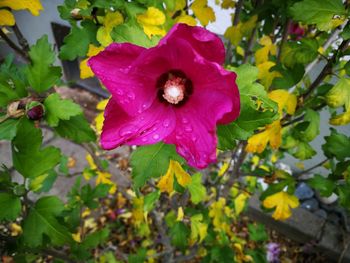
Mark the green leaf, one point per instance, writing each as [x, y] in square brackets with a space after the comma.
[290, 76]
[76, 129]
[179, 234]
[318, 12]
[310, 128]
[139, 257]
[322, 184]
[96, 238]
[303, 151]
[91, 195]
[76, 44]
[347, 68]
[257, 232]
[10, 206]
[257, 109]
[12, 82]
[197, 190]
[42, 220]
[131, 32]
[150, 200]
[8, 129]
[258, 255]
[151, 161]
[299, 52]
[222, 254]
[28, 157]
[337, 145]
[43, 183]
[40, 73]
[59, 109]
[344, 195]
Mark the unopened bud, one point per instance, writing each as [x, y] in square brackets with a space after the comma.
[35, 110]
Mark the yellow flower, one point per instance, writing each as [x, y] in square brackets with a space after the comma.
[34, 6]
[265, 75]
[283, 202]
[203, 12]
[102, 177]
[166, 182]
[6, 18]
[272, 134]
[285, 100]
[237, 32]
[111, 20]
[100, 117]
[85, 70]
[151, 21]
[262, 54]
[220, 212]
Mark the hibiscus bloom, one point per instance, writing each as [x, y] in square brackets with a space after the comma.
[176, 92]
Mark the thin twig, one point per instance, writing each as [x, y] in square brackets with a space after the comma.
[312, 168]
[12, 45]
[21, 39]
[284, 39]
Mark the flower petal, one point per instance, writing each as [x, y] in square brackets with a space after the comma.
[148, 127]
[207, 44]
[195, 131]
[113, 67]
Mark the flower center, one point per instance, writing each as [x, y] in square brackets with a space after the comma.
[174, 87]
[174, 90]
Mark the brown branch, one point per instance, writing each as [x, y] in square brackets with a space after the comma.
[238, 159]
[284, 39]
[250, 44]
[21, 39]
[312, 168]
[327, 69]
[12, 45]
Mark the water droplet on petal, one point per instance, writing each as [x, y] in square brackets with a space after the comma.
[120, 92]
[212, 157]
[166, 123]
[184, 120]
[194, 138]
[144, 139]
[144, 106]
[155, 136]
[188, 128]
[127, 130]
[131, 95]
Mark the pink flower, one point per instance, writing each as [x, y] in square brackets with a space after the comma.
[176, 92]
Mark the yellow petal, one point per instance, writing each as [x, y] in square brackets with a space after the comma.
[180, 214]
[223, 168]
[6, 18]
[272, 134]
[15, 229]
[266, 77]
[112, 19]
[104, 178]
[182, 177]
[186, 19]
[226, 4]
[34, 6]
[282, 202]
[285, 100]
[203, 12]
[341, 119]
[240, 202]
[85, 70]
[166, 182]
[103, 36]
[233, 33]
[339, 95]
[151, 21]
[262, 54]
[77, 237]
[90, 161]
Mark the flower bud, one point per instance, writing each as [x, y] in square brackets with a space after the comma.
[35, 110]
